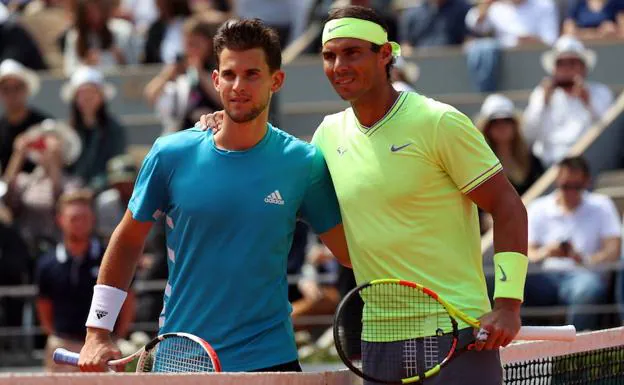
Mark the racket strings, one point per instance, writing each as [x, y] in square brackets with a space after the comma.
[178, 355]
[399, 327]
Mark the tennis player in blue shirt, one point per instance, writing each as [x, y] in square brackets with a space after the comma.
[230, 202]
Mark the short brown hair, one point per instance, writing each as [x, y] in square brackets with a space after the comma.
[362, 13]
[81, 195]
[246, 34]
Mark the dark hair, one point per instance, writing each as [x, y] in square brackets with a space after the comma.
[102, 116]
[83, 28]
[246, 34]
[362, 13]
[576, 163]
[174, 8]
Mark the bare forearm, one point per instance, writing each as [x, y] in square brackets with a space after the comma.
[155, 87]
[46, 315]
[510, 227]
[119, 261]
[609, 253]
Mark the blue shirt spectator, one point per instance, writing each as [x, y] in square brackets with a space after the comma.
[434, 23]
[586, 17]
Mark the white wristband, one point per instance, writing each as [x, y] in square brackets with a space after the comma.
[105, 307]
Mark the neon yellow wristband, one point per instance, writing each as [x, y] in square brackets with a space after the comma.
[510, 270]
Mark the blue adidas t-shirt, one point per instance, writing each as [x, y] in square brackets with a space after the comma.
[230, 218]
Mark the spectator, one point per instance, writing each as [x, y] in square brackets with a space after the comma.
[404, 74]
[51, 146]
[571, 233]
[183, 91]
[66, 276]
[111, 204]
[142, 13]
[164, 37]
[505, 24]
[433, 23]
[278, 14]
[98, 40]
[47, 21]
[564, 106]
[101, 134]
[500, 123]
[595, 20]
[17, 85]
[17, 44]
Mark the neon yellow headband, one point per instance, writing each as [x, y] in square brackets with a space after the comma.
[358, 29]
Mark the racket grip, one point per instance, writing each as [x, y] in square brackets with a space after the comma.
[551, 333]
[64, 356]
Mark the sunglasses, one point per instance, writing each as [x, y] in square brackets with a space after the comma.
[572, 186]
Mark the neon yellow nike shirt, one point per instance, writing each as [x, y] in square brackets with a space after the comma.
[401, 186]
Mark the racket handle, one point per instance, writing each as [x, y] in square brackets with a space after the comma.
[65, 357]
[551, 333]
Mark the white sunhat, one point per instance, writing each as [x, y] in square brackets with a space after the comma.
[86, 75]
[72, 145]
[496, 106]
[10, 68]
[568, 46]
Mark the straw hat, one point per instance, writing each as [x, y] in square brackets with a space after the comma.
[72, 145]
[568, 46]
[86, 75]
[496, 106]
[10, 68]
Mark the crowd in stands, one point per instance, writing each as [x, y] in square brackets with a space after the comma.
[66, 184]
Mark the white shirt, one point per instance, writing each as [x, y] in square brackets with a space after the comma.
[595, 219]
[173, 42]
[509, 21]
[552, 129]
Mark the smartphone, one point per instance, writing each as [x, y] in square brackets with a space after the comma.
[565, 246]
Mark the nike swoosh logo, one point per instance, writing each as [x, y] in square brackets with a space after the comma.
[330, 30]
[399, 148]
[504, 277]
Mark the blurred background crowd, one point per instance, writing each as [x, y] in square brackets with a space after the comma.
[87, 85]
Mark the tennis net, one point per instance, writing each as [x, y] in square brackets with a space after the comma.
[595, 358]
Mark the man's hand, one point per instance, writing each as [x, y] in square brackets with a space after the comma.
[211, 121]
[549, 88]
[502, 324]
[97, 351]
[580, 90]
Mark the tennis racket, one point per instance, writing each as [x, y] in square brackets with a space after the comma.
[167, 353]
[391, 331]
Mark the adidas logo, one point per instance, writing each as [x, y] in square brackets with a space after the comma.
[101, 314]
[274, 198]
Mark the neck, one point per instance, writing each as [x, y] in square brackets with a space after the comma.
[372, 106]
[17, 115]
[76, 248]
[241, 136]
[89, 120]
[569, 207]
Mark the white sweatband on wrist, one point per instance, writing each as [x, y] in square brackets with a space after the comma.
[105, 307]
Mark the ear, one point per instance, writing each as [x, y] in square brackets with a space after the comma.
[215, 79]
[386, 53]
[277, 79]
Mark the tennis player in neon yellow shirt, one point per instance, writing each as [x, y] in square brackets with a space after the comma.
[409, 173]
